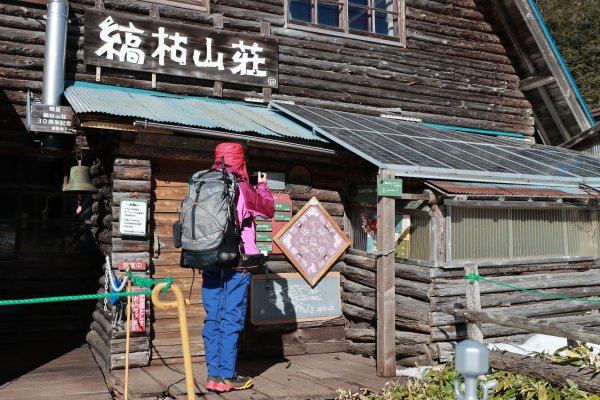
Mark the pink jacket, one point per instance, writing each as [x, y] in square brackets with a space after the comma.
[252, 203]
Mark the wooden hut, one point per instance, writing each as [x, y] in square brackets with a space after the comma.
[149, 115]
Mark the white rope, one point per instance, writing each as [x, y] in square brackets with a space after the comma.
[112, 279]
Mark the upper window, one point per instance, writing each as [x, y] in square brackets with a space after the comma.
[370, 19]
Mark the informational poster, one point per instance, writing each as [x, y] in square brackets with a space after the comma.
[133, 219]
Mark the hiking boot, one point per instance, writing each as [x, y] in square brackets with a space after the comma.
[239, 382]
[216, 384]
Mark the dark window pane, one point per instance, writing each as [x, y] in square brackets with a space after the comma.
[44, 171]
[358, 18]
[43, 205]
[328, 14]
[359, 2]
[9, 165]
[300, 10]
[8, 234]
[41, 237]
[8, 204]
[384, 23]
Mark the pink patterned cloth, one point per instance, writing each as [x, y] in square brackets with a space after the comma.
[313, 241]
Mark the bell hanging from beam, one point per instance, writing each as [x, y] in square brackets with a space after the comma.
[79, 180]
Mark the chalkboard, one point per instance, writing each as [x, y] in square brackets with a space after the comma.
[279, 298]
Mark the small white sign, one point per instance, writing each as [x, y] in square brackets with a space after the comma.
[133, 218]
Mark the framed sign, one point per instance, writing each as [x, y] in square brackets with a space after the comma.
[312, 241]
[280, 298]
[133, 218]
[132, 42]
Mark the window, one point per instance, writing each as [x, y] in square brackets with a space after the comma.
[199, 5]
[374, 20]
[36, 217]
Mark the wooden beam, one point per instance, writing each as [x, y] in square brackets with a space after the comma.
[386, 284]
[528, 66]
[553, 64]
[534, 82]
[546, 327]
[473, 300]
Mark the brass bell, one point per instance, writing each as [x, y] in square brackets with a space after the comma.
[79, 180]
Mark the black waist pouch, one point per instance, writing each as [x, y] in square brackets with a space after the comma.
[252, 260]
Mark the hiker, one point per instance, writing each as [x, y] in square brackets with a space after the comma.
[225, 290]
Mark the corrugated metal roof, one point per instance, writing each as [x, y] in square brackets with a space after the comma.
[183, 110]
[493, 189]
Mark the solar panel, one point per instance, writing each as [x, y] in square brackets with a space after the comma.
[415, 150]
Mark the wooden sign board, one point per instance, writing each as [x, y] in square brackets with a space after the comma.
[312, 241]
[138, 312]
[389, 187]
[280, 298]
[132, 42]
[266, 229]
[133, 219]
[54, 119]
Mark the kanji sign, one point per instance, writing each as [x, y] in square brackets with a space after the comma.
[138, 312]
[133, 217]
[135, 265]
[138, 43]
[56, 119]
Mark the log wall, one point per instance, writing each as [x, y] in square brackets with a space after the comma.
[454, 69]
[426, 334]
[118, 180]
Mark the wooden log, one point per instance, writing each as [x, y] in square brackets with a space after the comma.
[402, 351]
[126, 245]
[132, 173]
[118, 196]
[510, 299]
[402, 337]
[334, 209]
[355, 313]
[585, 378]
[445, 287]
[532, 325]
[121, 185]
[131, 162]
[332, 196]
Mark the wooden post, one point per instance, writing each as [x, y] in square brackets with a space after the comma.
[386, 284]
[473, 304]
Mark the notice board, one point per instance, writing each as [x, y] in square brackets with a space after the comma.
[287, 297]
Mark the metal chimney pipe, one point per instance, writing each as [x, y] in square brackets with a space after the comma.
[54, 53]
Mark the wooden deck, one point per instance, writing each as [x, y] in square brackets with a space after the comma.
[74, 375]
[314, 377]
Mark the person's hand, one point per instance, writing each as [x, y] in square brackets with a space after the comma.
[262, 177]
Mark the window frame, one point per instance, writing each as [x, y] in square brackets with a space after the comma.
[344, 30]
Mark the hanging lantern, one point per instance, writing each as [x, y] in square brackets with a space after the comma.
[79, 180]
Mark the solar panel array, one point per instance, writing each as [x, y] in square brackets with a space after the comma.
[412, 149]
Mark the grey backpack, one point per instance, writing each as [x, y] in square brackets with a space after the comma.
[208, 232]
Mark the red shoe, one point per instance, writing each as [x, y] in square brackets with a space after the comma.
[216, 384]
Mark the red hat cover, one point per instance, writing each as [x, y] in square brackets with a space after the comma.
[233, 153]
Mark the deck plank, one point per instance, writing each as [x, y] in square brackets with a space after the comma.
[73, 375]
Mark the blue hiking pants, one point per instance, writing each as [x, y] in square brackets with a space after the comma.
[225, 299]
